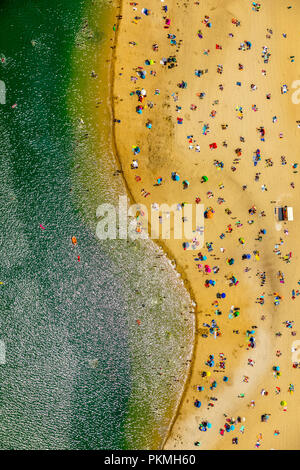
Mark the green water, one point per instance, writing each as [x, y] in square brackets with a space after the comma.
[79, 374]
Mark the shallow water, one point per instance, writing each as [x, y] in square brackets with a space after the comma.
[80, 373]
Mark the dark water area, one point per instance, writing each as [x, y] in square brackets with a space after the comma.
[75, 367]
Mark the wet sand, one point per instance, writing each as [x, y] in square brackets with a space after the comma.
[165, 149]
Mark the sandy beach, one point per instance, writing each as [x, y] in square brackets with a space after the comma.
[233, 119]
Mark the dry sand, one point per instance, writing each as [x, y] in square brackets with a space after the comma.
[165, 148]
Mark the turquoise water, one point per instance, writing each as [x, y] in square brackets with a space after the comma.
[79, 373]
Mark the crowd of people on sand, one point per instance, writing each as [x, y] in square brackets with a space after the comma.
[215, 367]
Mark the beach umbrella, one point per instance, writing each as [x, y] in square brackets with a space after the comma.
[223, 295]
[283, 403]
[225, 379]
[185, 245]
[208, 374]
[204, 178]
[232, 428]
[175, 176]
[209, 425]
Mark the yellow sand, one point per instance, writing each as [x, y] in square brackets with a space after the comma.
[165, 148]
